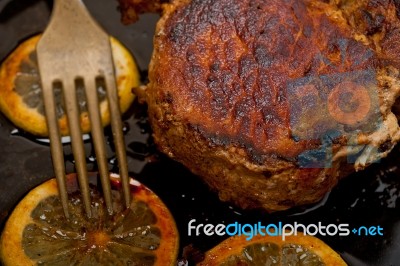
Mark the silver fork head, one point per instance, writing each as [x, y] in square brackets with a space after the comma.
[75, 49]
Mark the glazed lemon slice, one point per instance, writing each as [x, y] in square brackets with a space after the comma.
[21, 95]
[297, 250]
[37, 232]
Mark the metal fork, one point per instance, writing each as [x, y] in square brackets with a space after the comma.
[74, 48]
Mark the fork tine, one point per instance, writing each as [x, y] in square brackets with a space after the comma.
[116, 125]
[98, 140]
[73, 115]
[74, 44]
[55, 144]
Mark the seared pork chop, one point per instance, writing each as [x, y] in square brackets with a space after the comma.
[271, 102]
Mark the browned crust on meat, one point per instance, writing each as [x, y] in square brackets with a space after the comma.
[378, 21]
[224, 68]
[131, 9]
[218, 99]
[276, 185]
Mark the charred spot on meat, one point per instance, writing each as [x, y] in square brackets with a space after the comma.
[271, 102]
[132, 8]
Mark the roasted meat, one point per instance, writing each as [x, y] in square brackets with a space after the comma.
[271, 102]
[132, 8]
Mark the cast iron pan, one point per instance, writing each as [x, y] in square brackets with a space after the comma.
[368, 198]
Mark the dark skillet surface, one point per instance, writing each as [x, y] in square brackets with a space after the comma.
[368, 198]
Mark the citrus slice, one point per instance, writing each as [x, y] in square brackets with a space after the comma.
[300, 250]
[37, 232]
[21, 93]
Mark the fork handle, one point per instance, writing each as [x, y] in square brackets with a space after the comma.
[76, 13]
